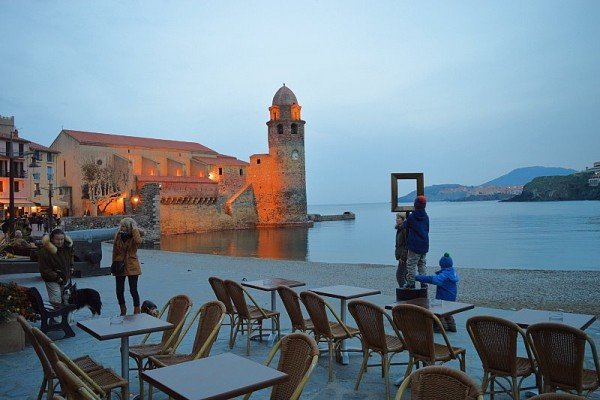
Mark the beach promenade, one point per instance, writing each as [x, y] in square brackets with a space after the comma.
[166, 274]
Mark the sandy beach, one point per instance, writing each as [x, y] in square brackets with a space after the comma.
[165, 273]
[571, 291]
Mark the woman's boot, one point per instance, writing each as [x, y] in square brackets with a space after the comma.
[123, 309]
[136, 309]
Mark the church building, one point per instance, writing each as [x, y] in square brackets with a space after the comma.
[199, 188]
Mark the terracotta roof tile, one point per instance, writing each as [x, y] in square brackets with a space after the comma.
[221, 159]
[106, 139]
[37, 146]
[174, 179]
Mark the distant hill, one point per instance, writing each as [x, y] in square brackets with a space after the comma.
[521, 176]
[501, 188]
[446, 192]
[559, 188]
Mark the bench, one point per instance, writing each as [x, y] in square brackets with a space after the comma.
[48, 312]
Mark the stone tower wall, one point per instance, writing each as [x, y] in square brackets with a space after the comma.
[286, 170]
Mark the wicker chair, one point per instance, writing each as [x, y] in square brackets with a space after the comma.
[495, 340]
[74, 387]
[370, 320]
[332, 332]
[218, 286]
[211, 316]
[299, 355]
[440, 383]
[101, 381]
[177, 309]
[416, 325]
[249, 315]
[556, 396]
[291, 301]
[560, 352]
[86, 363]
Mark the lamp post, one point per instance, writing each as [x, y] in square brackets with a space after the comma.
[11, 181]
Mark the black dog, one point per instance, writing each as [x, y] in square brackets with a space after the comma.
[89, 298]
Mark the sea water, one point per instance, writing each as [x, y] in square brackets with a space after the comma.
[490, 234]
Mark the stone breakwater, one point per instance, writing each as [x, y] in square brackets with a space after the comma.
[571, 291]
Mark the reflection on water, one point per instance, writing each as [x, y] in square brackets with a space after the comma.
[278, 243]
[481, 234]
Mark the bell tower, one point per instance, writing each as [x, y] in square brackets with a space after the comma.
[281, 198]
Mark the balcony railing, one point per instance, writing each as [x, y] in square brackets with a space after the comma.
[18, 174]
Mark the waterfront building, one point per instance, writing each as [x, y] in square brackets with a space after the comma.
[199, 188]
[20, 147]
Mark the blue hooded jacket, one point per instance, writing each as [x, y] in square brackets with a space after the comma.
[417, 223]
[445, 279]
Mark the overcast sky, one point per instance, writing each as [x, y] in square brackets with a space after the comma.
[462, 91]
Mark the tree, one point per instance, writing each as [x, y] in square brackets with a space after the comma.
[103, 184]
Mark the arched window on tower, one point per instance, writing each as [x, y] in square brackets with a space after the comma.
[274, 111]
[294, 129]
[280, 129]
[296, 112]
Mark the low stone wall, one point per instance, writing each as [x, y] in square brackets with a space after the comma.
[79, 223]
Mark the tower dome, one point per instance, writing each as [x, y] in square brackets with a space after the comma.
[284, 97]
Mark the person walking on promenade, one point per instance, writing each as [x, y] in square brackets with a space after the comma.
[401, 250]
[125, 246]
[417, 242]
[55, 262]
[446, 281]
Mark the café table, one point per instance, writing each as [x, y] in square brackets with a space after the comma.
[344, 293]
[223, 376]
[526, 316]
[270, 285]
[130, 325]
[442, 308]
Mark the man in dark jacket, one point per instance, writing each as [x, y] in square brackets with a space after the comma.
[417, 241]
[55, 261]
[401, 250]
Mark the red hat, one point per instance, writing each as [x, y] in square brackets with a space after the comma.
[420, 203]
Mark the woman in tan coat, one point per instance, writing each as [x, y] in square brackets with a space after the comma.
[125, 246]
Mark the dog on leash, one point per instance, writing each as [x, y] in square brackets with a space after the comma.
[86, 297]
[150, 308]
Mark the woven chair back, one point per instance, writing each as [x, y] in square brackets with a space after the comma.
[369, 318]
[557, 396]
[69, 382]
[416, 325]
[443, 383]
[236, 293]
[495, 340]
[291, 301]
[560, 352]
[218, 286]
[211, 315]
[317, 310]
[45, 343]
[177, 310]
[27, 328]
[297, 352]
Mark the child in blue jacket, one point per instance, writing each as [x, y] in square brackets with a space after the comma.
[446, 281]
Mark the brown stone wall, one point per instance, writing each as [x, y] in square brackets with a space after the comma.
[79, 223]
[147, 213]
[230, 180]
[279, 180]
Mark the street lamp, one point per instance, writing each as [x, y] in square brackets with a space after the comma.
[50, 190]
[11, 181]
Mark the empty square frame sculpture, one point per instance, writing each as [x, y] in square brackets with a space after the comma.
[416, 176]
